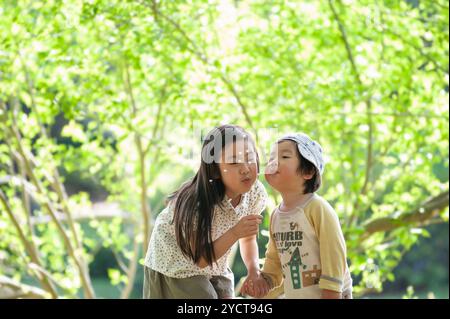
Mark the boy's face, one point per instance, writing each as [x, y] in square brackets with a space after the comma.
[238, 167]
[282, 171]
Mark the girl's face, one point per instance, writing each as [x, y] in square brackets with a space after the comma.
[282, 170]
[238, 167]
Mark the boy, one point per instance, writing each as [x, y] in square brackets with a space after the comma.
[306, 247]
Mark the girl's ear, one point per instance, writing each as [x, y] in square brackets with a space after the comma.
[216, 174]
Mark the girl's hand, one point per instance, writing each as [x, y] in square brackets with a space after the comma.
[255, 286]
[247, 226]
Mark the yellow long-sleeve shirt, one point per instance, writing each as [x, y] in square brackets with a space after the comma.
[317, 240]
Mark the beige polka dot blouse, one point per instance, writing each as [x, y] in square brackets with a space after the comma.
[164, 255]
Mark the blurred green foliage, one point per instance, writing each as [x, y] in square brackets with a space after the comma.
[117, 93]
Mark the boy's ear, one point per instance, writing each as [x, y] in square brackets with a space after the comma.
[308, 175]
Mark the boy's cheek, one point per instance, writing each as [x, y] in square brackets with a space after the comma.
[282, 170]
[288, 170]
[286, 175]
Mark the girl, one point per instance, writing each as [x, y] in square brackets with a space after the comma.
[193, 236]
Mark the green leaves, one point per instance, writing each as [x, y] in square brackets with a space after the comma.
[116, 277]
[370, 82]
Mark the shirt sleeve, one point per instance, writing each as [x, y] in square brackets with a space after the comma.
[272, 271]
[258, 198]
[332, 245]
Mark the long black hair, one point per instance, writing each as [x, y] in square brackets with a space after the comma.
[196, 199]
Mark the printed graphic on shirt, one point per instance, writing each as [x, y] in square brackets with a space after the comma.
[294, 258]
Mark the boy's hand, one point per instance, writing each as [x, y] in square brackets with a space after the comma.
[330, 294]
[255, 285]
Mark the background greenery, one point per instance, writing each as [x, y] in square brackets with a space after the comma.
[102, 101]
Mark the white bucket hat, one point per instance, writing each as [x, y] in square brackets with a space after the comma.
[310, 149]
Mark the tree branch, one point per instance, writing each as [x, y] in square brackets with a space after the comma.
[119, 261]
[73, 252]
[158, 119]
[58, 186]
[346, 42]
[202, 56]
[368, 102]
[29, 246]
[131, 271]
[420, 215]
[145, 208]
[418, 49]
[12, 289]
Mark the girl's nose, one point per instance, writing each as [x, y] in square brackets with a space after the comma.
[245, 169]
